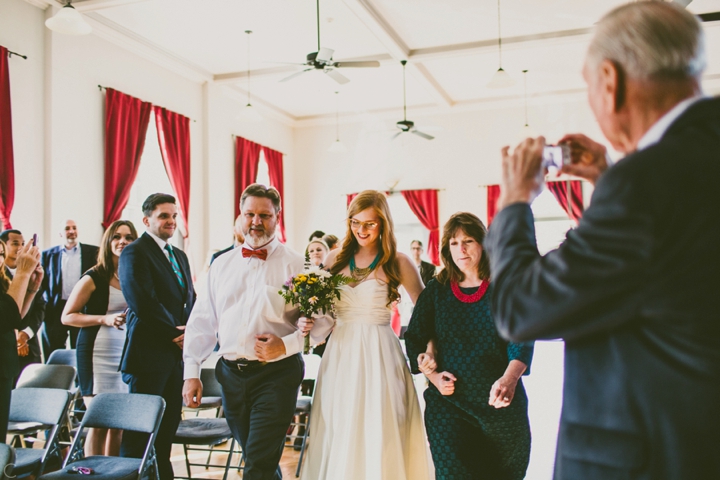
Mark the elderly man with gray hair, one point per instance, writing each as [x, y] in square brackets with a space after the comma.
[634, 289]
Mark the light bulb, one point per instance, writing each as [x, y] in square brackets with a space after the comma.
[68, 21]
[501, 79]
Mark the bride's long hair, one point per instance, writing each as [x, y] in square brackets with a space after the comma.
[388, 245]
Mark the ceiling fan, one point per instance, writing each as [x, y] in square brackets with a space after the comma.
[406, 125]
[704, 17]
[322, 60]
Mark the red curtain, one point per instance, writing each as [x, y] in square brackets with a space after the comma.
[274, 160]
[247, 158]
[571, 200]
[424, 204]
[350, 198]
[126, 122]
[7, 163]
[493, 193]
[174, 137]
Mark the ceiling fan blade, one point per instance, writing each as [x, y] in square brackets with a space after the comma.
[710, 17]
[324, 55]
[337, 76]
[368, 64]
[395, 136]
[421, 134]
[296, 74]
[682, 3]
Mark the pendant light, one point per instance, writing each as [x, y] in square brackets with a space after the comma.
[500, 79]
[337, 146]
[68, 21]
[527, 131]
[249, 113]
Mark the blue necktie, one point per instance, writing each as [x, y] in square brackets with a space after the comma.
[175, 266]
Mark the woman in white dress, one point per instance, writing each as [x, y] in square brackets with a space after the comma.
[366, 422]
[97, 305]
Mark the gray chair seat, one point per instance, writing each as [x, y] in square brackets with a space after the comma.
[207, 403]
[303, 405]
[203, 431]
[105, 468]
[7, 457]
[26, 428]
[27, 460]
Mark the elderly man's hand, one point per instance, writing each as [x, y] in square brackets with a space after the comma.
[522, 177]
[589, 158]
[268, 347]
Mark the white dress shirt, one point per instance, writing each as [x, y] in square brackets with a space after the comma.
[656, 132]
[161, 243]
[240, 299]
[70, 269]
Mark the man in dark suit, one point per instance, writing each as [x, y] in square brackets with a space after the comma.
[64, 265]
[427, 270]
[27, 337]
[238, 239]
[157, 285]
[633, 289]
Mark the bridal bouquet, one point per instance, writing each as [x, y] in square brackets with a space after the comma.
[313, 290]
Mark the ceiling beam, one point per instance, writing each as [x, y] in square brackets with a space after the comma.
[397, 48]
[83, 5]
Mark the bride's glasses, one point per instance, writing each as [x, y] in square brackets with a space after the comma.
[356, 224]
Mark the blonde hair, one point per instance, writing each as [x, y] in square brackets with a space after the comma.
[388, 245]
[4, 280]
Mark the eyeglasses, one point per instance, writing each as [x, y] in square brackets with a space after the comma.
[2, 254]
[356, 224]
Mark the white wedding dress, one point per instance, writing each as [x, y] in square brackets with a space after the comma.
[366, 423]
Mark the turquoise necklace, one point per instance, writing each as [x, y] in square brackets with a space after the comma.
[360, 274]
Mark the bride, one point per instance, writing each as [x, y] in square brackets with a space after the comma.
[366, 422]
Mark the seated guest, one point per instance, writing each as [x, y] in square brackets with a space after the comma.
[332, 241]
[238, 239]
[317, 251]
[476, 408]
[16, 297]
[97, 305]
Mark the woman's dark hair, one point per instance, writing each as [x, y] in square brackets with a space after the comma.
[316, 234]
[471, 226]
[105, 266]
[260, 190]
[151, 203]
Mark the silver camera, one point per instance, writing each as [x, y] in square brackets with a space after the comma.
[555, 156]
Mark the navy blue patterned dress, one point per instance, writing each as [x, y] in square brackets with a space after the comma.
[470, 439]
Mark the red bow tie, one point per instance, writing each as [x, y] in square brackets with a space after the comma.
[261, 254]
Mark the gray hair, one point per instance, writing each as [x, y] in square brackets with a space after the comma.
[650, 41]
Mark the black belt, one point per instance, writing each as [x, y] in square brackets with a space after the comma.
[243, 364]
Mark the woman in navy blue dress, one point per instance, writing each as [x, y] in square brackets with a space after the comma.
[476, 407]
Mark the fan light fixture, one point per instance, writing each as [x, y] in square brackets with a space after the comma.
[527, 131]
[68, 21]
[249, 113]
[500, 79]
[337, 146]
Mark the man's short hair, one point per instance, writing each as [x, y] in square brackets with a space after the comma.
[261, 191]
[5, 234]
[416, 241]
[151, 202]
[650, 41]
[316, 234]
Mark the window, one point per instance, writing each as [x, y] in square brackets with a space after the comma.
[263, 174]
[551, 222]
[151, 178]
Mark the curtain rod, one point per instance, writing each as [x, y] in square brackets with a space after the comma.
[10, 54]
[392, 192]
[101, 87]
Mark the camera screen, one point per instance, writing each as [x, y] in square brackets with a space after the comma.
[554, 156]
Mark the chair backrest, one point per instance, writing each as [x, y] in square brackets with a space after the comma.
[312, 366]
[63, 357]
[37, 375]
[43, 405]
[125, 411]
[211, 387]
[7, 457]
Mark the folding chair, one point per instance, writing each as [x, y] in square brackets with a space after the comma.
[124, 411]
[7, 457]
[69, 357]
[46, 409]
[300, 426]
[206, 432]
[212, 400]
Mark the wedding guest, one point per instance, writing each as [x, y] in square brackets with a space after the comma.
[238, 239]
[317, 250]
[316, 234]
[427, 270]
[476, 408]
[332, 241]
[64, 265]
[366, 421]
[16, 298]
[259, 337]
[97, 306]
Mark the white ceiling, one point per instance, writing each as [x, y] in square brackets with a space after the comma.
[451, 46]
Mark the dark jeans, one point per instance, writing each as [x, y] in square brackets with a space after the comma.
[167, 384]
[259, 404]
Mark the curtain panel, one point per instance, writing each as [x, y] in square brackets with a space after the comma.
[7, 161]
[493, 193]
[569, 195]
[247, 158]
[174, 138]
[274, 161]
[424, 204]
[126, 123]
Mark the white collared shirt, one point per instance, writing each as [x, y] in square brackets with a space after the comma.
[656, 132]
[161, 243]
[239, 300]
[70, 269]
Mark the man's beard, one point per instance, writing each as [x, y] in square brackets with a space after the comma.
[257, 241]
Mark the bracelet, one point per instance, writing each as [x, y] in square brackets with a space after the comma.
[33, 291]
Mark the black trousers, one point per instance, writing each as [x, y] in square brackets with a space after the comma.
[6, 386]
[55, 334]
[168, 384]
[259, 404]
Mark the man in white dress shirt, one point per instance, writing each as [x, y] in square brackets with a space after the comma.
[259, 337]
